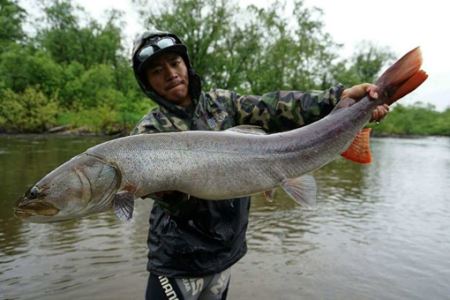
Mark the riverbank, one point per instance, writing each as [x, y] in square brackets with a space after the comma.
[85, 132]
[403, 121]
[68, 131]
[82, 131]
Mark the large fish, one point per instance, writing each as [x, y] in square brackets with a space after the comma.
[209, 164]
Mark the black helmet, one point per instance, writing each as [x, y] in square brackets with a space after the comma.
[151, 44]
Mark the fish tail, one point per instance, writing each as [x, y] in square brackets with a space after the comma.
[402, 77]
[411, 84]
[359, 150]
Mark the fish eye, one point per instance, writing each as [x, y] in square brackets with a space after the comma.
[33, 193]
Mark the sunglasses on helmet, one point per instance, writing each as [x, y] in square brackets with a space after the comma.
[149, 49]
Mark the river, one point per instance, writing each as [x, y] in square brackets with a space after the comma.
[380, 231]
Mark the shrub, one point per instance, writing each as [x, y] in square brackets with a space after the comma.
[28, 111]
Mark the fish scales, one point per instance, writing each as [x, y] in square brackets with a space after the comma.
[207, 164]
[219, 165]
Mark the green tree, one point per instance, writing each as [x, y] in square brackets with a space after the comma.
[203, 25]
[295, 52]
[12, 16]
[23, 66]
[67, 41]
[417, 119]
[364, 66]
[81, 65]
[252, 50]
[29, 111]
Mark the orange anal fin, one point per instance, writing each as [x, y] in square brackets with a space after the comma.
[359, 150]
[409, 85]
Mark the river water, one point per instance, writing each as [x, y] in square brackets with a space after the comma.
[378, 232]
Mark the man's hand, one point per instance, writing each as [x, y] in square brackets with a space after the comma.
[359, 91]
[379, 113]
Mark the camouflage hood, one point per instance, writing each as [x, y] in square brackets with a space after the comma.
[139, 67]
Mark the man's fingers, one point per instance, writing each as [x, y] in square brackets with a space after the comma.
[372, 90]
[375, 115]
[358, 91]
[380, 112]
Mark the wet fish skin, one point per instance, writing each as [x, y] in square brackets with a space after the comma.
[208, 164]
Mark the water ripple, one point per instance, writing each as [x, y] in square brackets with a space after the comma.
[378, 232]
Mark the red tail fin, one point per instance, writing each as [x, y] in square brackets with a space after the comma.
[359, 150]
[402, 77]
[410, 85]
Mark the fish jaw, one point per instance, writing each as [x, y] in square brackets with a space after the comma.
[27, 209]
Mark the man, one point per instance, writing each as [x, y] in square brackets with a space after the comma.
[194, 242]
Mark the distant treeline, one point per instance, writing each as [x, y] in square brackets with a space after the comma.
[417, 119]
[70, 71]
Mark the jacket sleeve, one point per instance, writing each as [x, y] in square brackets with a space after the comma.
[153, 122]
[286, 110]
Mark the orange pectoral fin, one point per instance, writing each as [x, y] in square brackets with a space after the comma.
[359, 150]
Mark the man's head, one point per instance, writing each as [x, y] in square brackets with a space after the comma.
[162, 68]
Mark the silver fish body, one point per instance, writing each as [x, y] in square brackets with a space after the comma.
[221, 165]
[206, 164]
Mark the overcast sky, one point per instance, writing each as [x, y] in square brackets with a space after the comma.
[399, 24]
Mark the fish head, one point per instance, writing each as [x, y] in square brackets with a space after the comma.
[83, 185]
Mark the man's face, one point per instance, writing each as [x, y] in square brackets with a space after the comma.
[168, 76]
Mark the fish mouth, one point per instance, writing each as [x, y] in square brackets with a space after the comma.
[35, 208]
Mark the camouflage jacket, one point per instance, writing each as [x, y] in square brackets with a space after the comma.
[191, 237]
[222, 109]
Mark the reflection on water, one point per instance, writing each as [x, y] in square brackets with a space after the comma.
[378, 232]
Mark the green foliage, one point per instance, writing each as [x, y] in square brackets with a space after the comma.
[11, 19]
[76, 72]
[30, 111]
[90, 88]
[252, 50]
[364, 66]
[104, 119]
[99, 120]
[67, 41]
[23, 66]
[203, 25]
[417, 119]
